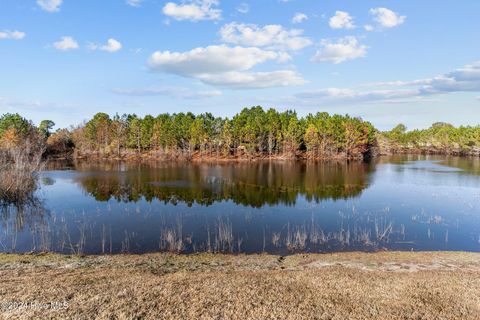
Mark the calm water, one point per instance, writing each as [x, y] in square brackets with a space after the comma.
[399, 203]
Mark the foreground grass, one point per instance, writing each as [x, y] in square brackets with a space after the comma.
[384, 285]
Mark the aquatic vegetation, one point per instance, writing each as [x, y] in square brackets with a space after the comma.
[21, 150]
[276, 239]
[296, 238]
[19, 169]
[171, 239]
[224, 238]
[139, 222]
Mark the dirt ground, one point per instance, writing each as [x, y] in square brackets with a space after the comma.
[384, 285]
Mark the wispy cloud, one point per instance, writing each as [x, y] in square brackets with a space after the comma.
[134, 3]
[173, 92]
[334, 96]
[50, 5]
[17, 105]
[243, 8]
[254, 80]
[368, 27]
[14, 35]
[193, 10]
[465, 79]
[20, 104]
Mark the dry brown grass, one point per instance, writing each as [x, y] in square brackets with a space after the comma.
[19, 168]
[164, 286]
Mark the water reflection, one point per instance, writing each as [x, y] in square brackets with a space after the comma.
[466, 165]
[24, 218]
[400, 203]
[248, 184]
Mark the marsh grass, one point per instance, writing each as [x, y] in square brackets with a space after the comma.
[49, 231]
[296, 237]
[19, 170]
[224, 238]
[171, 238]
[276, 239]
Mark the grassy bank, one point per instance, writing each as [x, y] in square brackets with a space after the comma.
[385, 285]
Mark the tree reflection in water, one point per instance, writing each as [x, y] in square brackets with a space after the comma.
[250, 184]
[276, 207]
[28, 216]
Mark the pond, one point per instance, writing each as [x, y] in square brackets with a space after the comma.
[395, 203]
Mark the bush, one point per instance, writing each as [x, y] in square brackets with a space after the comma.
[21, 150]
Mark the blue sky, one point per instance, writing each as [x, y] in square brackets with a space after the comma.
[391, 61]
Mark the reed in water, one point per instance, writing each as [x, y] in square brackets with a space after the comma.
[21, 151]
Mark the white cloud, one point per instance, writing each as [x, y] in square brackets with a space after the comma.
[173, 92]
[19, 104]
[225, 66]
[243, 8]
[254, 80]
[368, 27]
[15, 105]
[470, 72]
[333, 96]
[387, 18]
[299, 17]
[270, 36]
[465, 79]
[341, 20]
[208, 60]
[111, 46]
[66, 43]
[134, 3]
[347, 48]
[283, 57]
[193, 10]
[50, 5]
[14, 35]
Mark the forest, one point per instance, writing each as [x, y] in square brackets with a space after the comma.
[440, 138]
[252, 133]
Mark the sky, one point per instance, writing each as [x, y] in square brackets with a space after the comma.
[393, 61]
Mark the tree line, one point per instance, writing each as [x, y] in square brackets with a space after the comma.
[441, 138]
[251, 133]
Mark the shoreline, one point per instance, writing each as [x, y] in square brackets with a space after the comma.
[196, 158]
[353, 285]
